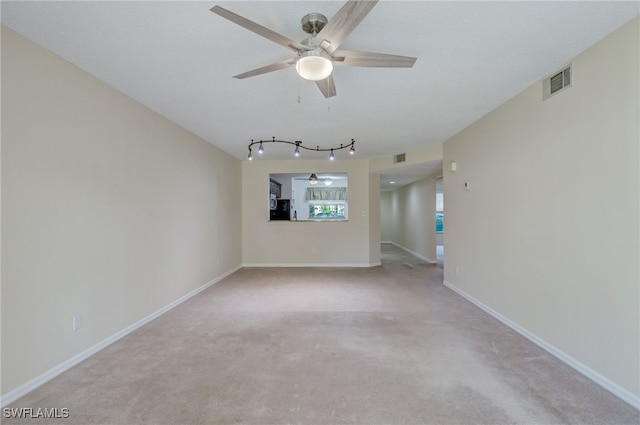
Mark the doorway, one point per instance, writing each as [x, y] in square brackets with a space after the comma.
[407, 205]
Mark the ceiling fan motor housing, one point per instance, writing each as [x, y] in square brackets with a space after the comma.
[313, 23]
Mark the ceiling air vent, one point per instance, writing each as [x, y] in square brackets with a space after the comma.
[557, 82]
[401, 157]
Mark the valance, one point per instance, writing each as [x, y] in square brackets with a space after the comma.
[326, 194]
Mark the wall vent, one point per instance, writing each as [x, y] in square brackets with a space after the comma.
[401, 157]
[556, 83]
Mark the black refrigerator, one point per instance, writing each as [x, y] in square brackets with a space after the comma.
[282, 211]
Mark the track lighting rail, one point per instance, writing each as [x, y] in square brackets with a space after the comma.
[298, 145]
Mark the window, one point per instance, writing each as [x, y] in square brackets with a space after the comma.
[439, 209]
[439, 222]
[317, 210]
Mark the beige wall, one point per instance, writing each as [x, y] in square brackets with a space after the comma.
[386, 218]
[548, 236]
[409, 218]
[108, 211]
[374, 219]
[309, 243]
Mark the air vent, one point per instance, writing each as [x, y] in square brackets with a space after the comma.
[557, 82]
[401, 157]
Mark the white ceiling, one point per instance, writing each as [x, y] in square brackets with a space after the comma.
[178, 58]
[398, 177]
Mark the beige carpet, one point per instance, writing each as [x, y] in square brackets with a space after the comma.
[383, 345]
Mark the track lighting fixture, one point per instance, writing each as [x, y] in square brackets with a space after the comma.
[298, 145]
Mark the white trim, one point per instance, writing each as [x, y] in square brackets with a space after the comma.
[604, 382]
[422, 257]
[312, 264]
[31, 385]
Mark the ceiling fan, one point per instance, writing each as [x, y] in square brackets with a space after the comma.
[316, 55]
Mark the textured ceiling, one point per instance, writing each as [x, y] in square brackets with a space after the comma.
[178, 58]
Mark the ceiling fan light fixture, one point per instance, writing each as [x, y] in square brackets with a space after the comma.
[314, 65]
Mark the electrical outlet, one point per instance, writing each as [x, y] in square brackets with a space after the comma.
[77, 322]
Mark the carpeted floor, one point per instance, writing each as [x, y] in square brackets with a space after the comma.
[380, 345]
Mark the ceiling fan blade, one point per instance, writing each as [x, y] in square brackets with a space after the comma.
[265, 69]
[327, 86]
[378, 60]
[343, 23]
[259, 29]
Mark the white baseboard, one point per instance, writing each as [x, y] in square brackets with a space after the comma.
[604, 382]
[31, 385]
[311, 264]
[415, 254]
